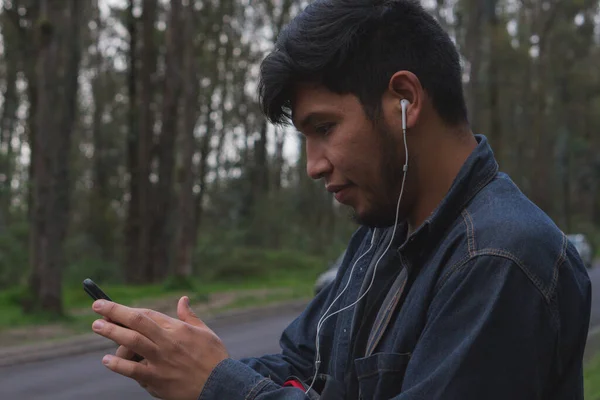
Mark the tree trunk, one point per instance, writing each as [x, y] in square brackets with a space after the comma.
[543, 139]
[99, 195]
[99, 200]
[145, 141]
[495, 37]
[186, 212]
[133, 272]
[46, 292]
[472, 48]
[25, 24]
[161, 236]
[51, 149]
[70, 85]
[203, 168]
[146, 136]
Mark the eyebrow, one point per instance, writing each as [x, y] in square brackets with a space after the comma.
[309, 119]
[305, 121]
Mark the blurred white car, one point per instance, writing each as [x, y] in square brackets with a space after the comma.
[584, 248]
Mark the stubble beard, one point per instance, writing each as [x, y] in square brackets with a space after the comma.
[382, 210]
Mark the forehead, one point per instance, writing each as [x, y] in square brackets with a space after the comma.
[311, 101]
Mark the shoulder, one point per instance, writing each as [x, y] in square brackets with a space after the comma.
[501, 222]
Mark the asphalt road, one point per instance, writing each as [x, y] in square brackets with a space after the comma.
[84, 377]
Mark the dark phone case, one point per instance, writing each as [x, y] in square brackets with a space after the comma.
[96, 293]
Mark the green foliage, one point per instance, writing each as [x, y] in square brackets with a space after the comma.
[175, 282]
[85, 267]
[274, 237]
[11, 310]
[242, 264]
[256, 301]
[231, 271]
[290, 218]
[13, 255]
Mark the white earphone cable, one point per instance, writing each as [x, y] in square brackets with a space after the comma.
[323, 318]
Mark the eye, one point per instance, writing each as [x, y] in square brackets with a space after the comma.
[324, 129]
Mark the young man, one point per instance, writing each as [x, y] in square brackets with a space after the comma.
[455, 286]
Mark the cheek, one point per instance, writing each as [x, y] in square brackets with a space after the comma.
[355, 152]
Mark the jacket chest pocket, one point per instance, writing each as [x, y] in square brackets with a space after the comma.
[380, 375]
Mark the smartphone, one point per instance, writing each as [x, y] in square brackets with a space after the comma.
[96, 293]
[94, 290]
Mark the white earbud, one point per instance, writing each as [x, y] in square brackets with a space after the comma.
[404, 104]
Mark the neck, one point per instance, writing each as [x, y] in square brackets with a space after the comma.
[440, 158]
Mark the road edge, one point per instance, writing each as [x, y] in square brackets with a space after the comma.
[90, 342]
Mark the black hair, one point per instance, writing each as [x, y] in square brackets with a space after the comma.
[355, 46]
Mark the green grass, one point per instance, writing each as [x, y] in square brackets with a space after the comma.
[592, 379]
[256, 301]
[240, 269]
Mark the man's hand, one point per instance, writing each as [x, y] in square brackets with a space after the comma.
[179, 354]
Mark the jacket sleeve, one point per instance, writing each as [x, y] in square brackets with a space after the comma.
[490, 334]
[233, 380]
[262, 378]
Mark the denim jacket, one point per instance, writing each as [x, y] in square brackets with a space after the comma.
[487, 299]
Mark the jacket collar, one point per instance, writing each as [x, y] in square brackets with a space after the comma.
[478, 170]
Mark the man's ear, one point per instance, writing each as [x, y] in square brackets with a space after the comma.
[403, 85]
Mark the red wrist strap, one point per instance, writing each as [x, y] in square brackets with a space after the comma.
[294, 383]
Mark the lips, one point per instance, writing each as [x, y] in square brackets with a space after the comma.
[342, 195]
[340, 192]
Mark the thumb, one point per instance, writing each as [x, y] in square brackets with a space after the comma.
[186, 314]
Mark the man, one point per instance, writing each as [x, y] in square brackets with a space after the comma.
[455, 286]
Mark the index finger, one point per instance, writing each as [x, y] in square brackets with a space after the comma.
[161, 319]
[136, 319]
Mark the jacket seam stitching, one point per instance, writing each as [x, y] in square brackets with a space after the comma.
[559, 261]
[470, 232]
[502, 254]
[450, 271]
[256, 389]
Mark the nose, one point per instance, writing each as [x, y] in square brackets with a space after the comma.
[317, 164]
